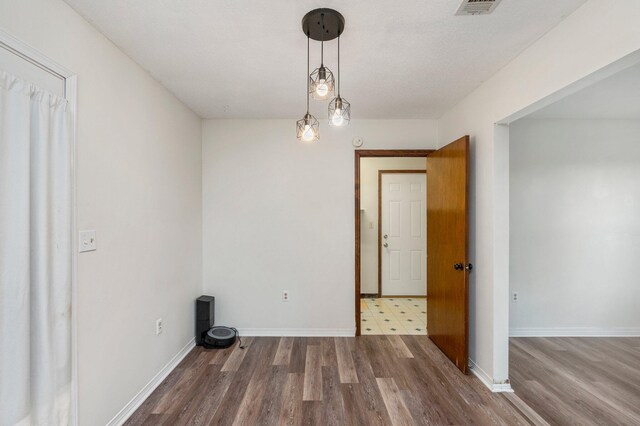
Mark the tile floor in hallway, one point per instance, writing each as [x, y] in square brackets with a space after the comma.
[393, 315]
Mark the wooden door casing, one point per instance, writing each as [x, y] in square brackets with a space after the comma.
[358, 154]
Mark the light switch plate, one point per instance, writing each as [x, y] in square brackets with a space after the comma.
[87, 241]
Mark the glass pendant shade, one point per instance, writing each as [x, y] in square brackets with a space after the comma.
[339, 112]
[321, 83]
[308, 128]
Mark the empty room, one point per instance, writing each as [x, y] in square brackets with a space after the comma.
[319, 213]
[575, 233]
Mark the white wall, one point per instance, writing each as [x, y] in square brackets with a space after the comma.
[139, 186]
[596, 35]
[279, 215]
[369, 167]
[575, 226]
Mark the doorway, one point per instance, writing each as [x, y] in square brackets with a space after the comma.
[381, 315]
[574, 173]
[445, 253]
[393, 245]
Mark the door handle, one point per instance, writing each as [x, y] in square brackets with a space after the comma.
[462, 267]
[385, 236]
[386, 245]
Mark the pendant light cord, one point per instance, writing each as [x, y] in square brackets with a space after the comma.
[322, 43]
[338, 62]
[307, 73]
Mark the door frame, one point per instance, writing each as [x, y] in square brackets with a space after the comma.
[364, 153]
[380, 173]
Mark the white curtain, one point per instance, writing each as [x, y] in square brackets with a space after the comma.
[35, 255]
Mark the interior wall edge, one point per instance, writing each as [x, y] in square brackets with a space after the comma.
[546, 68]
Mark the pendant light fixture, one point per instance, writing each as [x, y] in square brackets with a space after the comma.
[339, 108]
[307, 128]
[322, 25]
[322, 81]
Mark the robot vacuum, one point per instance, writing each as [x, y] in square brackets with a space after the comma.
[220, 337]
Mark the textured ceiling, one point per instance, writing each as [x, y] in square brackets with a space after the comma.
[247, 59]
[616, 97]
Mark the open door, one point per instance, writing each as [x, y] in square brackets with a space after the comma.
[447, 250]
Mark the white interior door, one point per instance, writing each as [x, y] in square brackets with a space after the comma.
[403, 219]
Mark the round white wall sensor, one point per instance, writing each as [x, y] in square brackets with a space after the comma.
[357, 142]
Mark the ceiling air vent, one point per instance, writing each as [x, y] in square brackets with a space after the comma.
[477, 7]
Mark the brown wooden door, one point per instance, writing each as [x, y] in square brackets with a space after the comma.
[447, 258]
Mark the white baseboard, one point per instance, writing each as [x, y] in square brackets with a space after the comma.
[144, 393]
[298, 332]
[487, 380]
[575, 332]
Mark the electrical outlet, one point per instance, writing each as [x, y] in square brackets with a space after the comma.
[515, 296]
[158, 326]
[285, 296]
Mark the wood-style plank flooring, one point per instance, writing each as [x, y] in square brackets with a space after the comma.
[368, 380]
[578, 380]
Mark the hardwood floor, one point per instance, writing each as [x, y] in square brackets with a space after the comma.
[368, 380]
[578, 380]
